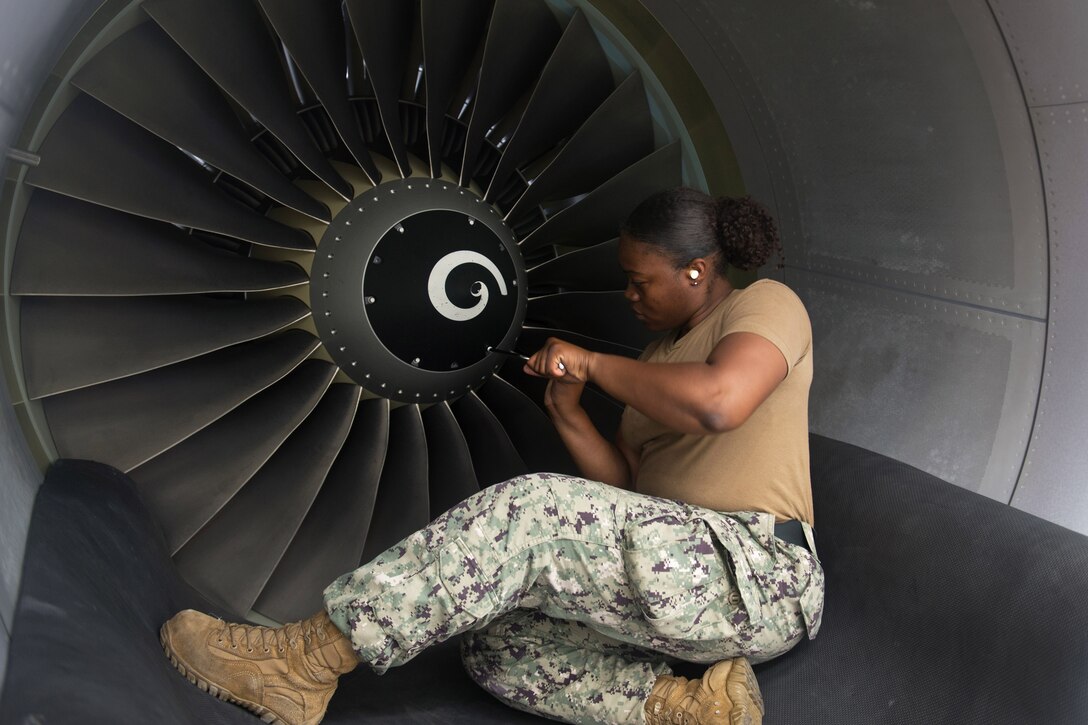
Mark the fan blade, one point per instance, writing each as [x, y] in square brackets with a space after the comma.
[534, 338]
[227, 38]
[314, 34]
[128, 421]
[187, 485]
[575, 81]
[330, 540]
[452, 30]
[144, 76]
[618, 133]
[232, 558]
[605, 315]
[383, 29]
[602, 411]
[70, 247]
[599, 215]
[70, 343]
[594, 269]
[529, 429]
[520, 37]
[452, 477]
[493, 454]
[93, 153]
[403, 504]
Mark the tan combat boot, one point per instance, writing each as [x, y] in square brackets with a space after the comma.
[285, 675]
[727, 694]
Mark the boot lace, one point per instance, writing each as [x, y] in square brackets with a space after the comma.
[253, 637]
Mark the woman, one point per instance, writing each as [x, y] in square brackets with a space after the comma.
[574, 594]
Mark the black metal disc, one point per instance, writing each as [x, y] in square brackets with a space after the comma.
[413, 284]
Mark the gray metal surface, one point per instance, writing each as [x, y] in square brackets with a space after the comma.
[615, 136]
[188, 484]
[575, 81]
[31, 37]
[217, 33]
[95, 154]
[1053, 482]
[233, 557]
[71, 343]
[71, 247]
[313, 33]
[147, 78]
[126, 422]
[520, 37]
[384, 31]
[1046, 39]
[21, 478]
[952, 381]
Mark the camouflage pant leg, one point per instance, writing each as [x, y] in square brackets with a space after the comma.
[661, 575]
[560, 668]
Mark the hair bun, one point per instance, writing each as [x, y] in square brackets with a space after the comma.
[746, 232]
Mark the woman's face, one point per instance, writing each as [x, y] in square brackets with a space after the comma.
[660, 294]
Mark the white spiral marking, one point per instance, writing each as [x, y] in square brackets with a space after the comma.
[436, 285]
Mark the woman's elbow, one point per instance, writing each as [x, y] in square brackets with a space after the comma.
[721, 418]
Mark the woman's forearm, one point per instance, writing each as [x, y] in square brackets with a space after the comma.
[597, 458]
[686, 397]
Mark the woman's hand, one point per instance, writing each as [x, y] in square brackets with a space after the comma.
[561, 362]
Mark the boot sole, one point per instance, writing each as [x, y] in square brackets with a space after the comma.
[260, 711]
[754, 693]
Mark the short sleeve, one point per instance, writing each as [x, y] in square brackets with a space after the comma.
[773, 311]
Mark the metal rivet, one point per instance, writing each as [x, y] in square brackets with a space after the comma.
[370, 300]
[400, 228]
[415, 361]
[383, 385]
[342, 348]
[377, 260]
[333, 332]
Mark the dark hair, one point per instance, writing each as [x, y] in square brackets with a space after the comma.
[686, 224]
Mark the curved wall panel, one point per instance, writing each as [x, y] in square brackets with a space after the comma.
[32, 35]
[1047, 42]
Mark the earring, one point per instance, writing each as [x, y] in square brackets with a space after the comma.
[693, 273]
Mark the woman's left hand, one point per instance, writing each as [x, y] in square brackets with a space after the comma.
[560, 361]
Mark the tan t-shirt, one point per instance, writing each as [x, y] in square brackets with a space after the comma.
[763, 464]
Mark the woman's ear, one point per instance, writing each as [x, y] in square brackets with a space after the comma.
[696, 270]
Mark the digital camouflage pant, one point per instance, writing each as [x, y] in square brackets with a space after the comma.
[576, 595]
